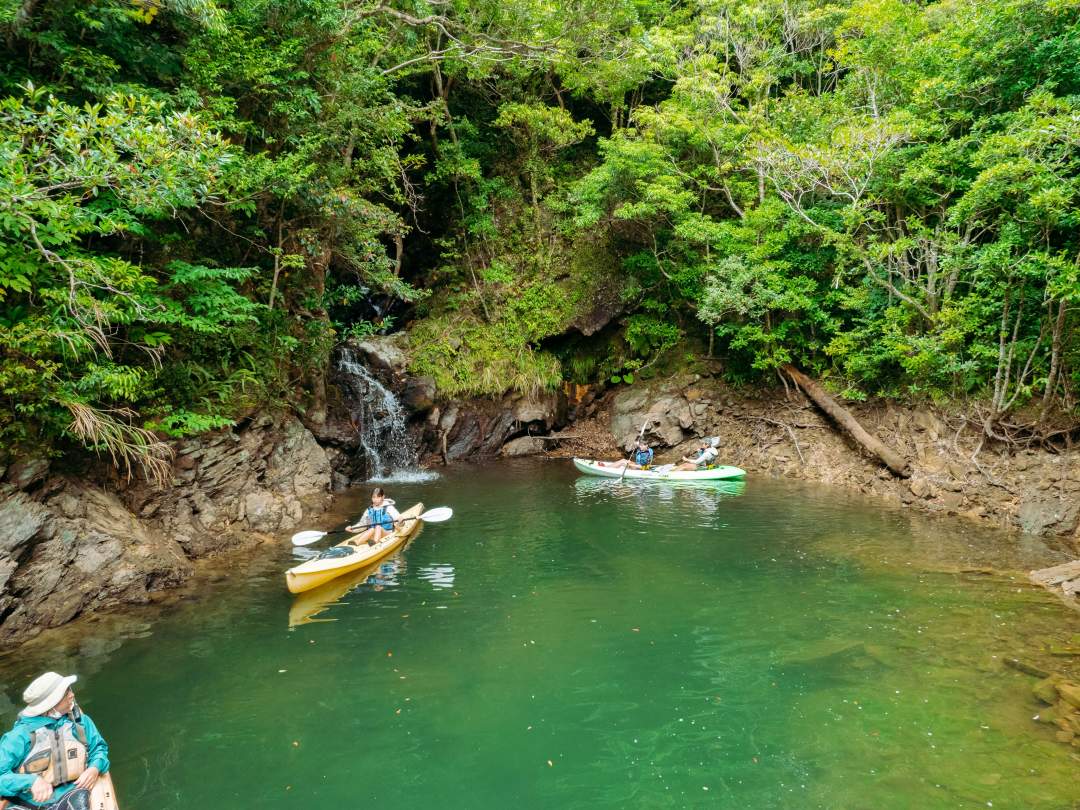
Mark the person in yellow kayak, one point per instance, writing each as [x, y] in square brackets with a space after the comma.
[54, 755]
[381, 519]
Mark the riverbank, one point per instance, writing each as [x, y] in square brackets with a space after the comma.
[769, 430]
[779, 433]
[86, 539]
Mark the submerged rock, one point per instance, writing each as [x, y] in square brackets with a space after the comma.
[1046, 690]
[1070, 693]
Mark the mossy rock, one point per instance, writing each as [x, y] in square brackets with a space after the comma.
[1049, 715]
[1071, 721]
[1046, 690]
[1070, 693]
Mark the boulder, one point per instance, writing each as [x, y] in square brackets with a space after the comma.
[930, 423]
[386, 353]
[606, 302]
[479, 430]
[523, 446]
[418, 394]
[1045, 513]
[667, 416]
[542, 408]
[921, 488]
[950, 501]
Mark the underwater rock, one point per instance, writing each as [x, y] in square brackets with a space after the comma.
[1046, 690]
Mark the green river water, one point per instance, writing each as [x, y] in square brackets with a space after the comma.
[567, 642]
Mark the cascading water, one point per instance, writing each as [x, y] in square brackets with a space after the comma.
[389, 451]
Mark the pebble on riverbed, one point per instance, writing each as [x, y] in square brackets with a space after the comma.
[1063, 707]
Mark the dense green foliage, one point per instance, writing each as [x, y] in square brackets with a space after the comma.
[197, 199]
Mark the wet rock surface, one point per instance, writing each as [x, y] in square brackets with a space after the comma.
[479, 427]
[70, 545]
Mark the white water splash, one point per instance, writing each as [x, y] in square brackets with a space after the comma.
[389, 452]
[416, 476]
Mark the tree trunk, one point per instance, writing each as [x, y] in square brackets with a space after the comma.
[277, 257]
[1055, 360]
[843, 418]
[316, 413]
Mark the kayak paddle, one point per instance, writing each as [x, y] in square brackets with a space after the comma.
[627, 464]
[436, 515]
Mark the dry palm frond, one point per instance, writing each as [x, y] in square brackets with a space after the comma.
[128, 446]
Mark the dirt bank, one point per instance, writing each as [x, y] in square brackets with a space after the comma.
[780, 433]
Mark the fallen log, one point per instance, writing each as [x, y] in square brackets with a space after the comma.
[843, 418]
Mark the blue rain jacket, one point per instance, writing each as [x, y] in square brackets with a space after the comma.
[15, 745]
[644, 457]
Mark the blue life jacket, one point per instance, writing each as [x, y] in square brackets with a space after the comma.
[379, 517]
[644, 457]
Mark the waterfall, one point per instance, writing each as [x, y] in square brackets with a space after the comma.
[380, 421]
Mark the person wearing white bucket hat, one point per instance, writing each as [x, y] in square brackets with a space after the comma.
[54, 755]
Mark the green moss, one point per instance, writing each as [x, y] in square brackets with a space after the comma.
[467, 357]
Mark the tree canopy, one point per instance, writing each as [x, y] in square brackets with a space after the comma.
[199, 198]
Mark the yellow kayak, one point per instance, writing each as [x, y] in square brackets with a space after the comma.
[350, 555]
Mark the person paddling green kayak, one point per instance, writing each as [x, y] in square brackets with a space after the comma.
[641, 459]
[380, 519]
[703, 459]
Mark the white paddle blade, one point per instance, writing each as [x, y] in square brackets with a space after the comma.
[307, 538]
[437, 515]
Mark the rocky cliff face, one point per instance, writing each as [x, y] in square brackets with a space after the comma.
[478, 428]
[69, 544]
[457, 429]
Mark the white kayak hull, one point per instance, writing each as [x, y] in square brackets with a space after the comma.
[590, 467]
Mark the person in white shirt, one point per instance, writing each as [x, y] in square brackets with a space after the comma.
[704, 458]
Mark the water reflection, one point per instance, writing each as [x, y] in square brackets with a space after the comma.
[696, 502]
[440, 576]
[379, 576]
[662, 644]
